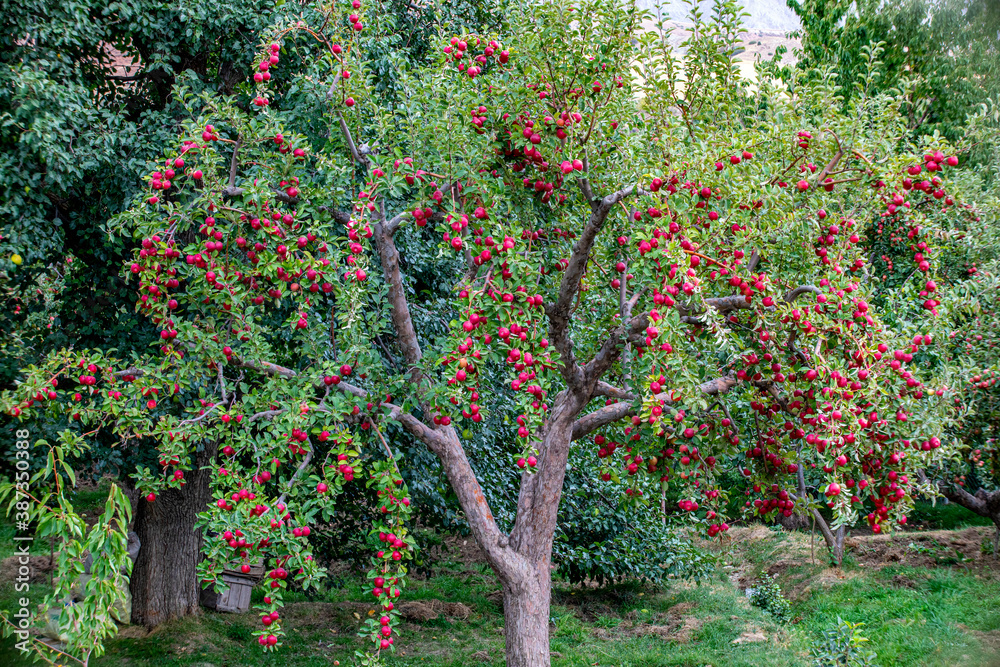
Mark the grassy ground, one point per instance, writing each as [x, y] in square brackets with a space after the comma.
[928, 598]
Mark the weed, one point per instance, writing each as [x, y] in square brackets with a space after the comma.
[842, 646]
[767, 595]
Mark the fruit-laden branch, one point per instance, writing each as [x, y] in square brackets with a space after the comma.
[559, 311]
[231, 191]
[402, 322]
[443, 443]
[625, 407]
[723, 304]
[442, 440]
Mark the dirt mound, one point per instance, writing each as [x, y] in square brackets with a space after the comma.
[422, 611]
[751, 637]
[903, 581]
[939, 548]
[750, 533]
[38, 566]
[455, 549]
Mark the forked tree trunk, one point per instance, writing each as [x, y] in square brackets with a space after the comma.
[164, 582]
[522, 559]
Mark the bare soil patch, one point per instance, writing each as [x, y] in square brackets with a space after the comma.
[673, 625]
[938, 548]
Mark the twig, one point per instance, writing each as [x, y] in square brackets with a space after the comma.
[222, 384]
[298, 471]
[235, 162]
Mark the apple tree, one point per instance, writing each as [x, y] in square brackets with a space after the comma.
[667, 265]
[970, 476]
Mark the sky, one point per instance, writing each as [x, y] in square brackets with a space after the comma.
[770, 15]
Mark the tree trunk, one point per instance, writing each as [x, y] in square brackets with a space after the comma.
[834, 540]
[164, 582]
[526, 618]
[837, 548]
[794, 522]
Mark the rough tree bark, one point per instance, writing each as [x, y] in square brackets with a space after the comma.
[164, 582]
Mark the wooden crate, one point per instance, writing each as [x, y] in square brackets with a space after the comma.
[236, 597]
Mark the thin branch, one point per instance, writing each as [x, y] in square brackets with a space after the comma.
[295, 476]
[234, 164]
[222, 383]
[831, 165]
[559, 311]
[266, 414]
[622, 293]
[232, 191]
[584, 183]
[355, 154]
[794, 294]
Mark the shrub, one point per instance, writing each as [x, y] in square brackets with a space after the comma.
[842, 647]
[768, 596]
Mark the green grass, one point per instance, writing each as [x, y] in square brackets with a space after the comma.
[918, 625]
[945, 517]
[913, 616]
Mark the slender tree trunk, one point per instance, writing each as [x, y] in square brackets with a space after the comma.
[837, 548]
[164, 582]
[834, 540]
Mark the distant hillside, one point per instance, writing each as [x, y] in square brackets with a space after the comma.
[765, 15]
